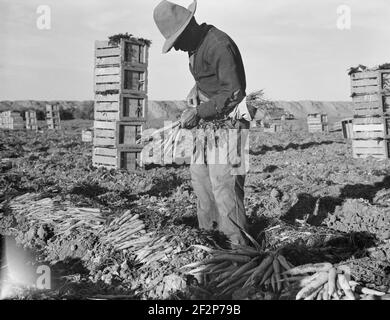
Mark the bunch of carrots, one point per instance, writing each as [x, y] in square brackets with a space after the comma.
[323, 281]
[230, 270]
[128, 232]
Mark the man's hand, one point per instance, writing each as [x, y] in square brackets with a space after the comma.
[189, 119]
[193, 97]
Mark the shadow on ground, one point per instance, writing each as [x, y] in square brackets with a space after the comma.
[294, 146]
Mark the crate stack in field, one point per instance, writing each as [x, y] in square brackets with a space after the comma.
[53, 118]
[120, 109]
[31, 120]
[371, 97]
[317, 122]
[11, 120]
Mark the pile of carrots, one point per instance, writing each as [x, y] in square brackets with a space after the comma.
[323, 281]
[230, 270]
[127, 232]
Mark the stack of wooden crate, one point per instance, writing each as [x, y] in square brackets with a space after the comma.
[31, 120]
[4, 120]
[317, 122]
[11, 120]
[120, 110]
[273, 128]
[53, 118]
[371, 123]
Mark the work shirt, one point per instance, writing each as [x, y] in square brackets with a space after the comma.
[219, 73]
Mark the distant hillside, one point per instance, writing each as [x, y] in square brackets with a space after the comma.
[159, 111]
[300, 109]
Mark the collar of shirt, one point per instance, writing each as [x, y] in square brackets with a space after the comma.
[204, 29]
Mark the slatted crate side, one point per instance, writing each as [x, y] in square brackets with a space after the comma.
[101, 106]
[106, 115]
[103, 87]
[107, 52]
[112, 98]
[107, 61]
[322, 127]
[132, 52]
[106, 157]
[107, 79]
[371, 127]
[370, 105]
[118, 158]
[317, 118]
[364, 75]
[370, 82]
[374, 148]
[104, 133]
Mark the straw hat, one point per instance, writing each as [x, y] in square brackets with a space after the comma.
[171, 19]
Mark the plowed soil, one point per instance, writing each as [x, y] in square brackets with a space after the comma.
[305, 195]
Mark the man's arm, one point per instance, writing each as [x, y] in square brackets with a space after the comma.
[231, 90]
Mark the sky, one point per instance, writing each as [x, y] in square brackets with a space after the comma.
[292, 49]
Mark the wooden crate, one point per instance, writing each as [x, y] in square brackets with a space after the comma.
[273, 128]
[347, 128]
[117, 133]
[11, 120]
[120, 107]
[317, 118]
[371, 104]
[132, 52]
[128, 133]
[318, 128]
[117, 158]
[317, 122]
[87, 135]
[53, 118]
[121, 67]
[371, 127]
[31, 120]
[374, 148]
[369, 82]
[120, 110]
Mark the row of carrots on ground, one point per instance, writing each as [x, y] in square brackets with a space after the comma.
[242, 267]
[230, 270]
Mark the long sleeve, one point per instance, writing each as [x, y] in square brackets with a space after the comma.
[231, 90]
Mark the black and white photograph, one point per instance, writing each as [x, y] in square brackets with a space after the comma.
[194, 155]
